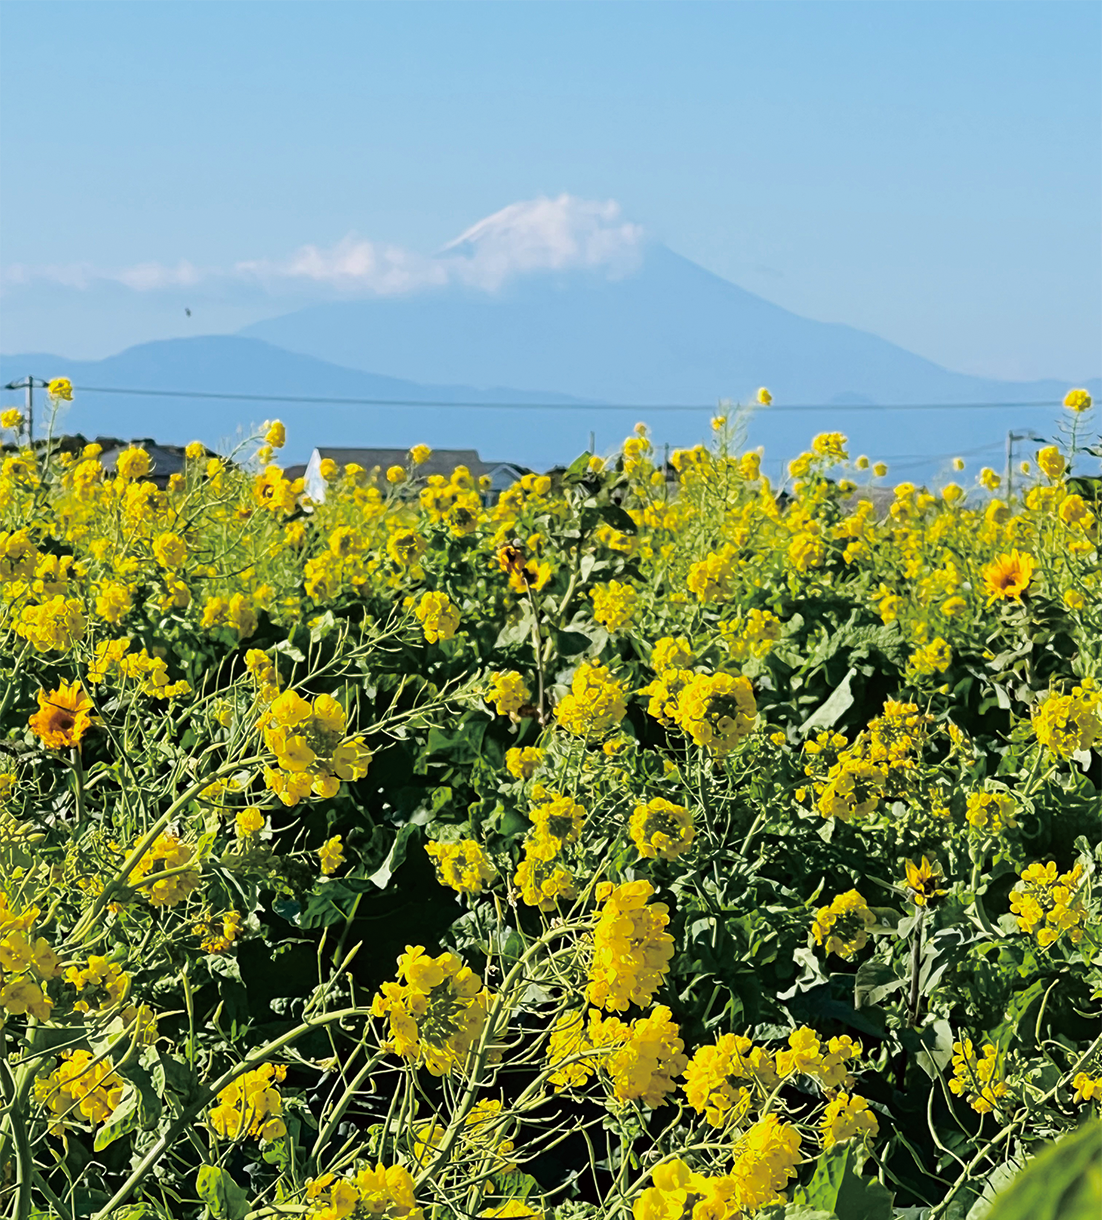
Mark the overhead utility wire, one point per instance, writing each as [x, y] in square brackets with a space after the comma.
[556, 406]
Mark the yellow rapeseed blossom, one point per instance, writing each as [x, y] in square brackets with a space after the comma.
[82, 1086]
[167, 873]
[1049, 904]
[845, 1117]
[614, 604]
[436, 1010]
[384, 1191]
[843, 926]
[978, 1078]
[462, 866]
[1077, 400]
[438, 616]
[596, 702]
[631, 948]
[722, 1080]
[522, 762]
[991, 813]
[717, 711]
[331, 855]
[660, 829]
[1066, 724]
[251, 1107]
[509, 693]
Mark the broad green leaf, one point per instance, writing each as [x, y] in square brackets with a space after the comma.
[1062, 1183]
[222, 1195]
[123, 1120]
[836, 1187]
[874, 981]
[829, 713]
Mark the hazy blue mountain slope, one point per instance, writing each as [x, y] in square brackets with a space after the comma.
[671, 333]
[235, 365]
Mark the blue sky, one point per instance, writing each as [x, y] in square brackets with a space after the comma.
[926, 171]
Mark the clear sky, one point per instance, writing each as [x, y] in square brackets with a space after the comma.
[927, 171]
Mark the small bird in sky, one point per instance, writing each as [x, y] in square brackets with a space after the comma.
[187, 311]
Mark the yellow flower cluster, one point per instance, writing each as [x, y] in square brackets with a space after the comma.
[645, 1064]
[251, 1106]
[26, 962]
[722, 1079]
[312, 751]
[438, 615]
[1066, 724]
[522, 762]
[845, 1117]
[461, 866]
[436, 1010]
[678, 1192]
[580, 1045]
[100, 984]
[82, 1086]
[596, 702]
[717, 711]
[712, 578]
[218, 933]
[167, 873]
[631, 947]
[1086, 1087]
[806, 1055]
[1049, 904]
[54, 625]
[509, 693]
[843, 926]
[753, 636]
[991, 814]
[614, 604]
[978, 1078]
[765, 1161]
[543, 876]
[662, 829]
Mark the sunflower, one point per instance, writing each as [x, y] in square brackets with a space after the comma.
[922, 881]
[63, 717]
[1008, 575]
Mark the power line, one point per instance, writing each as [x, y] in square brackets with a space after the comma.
[557, 406]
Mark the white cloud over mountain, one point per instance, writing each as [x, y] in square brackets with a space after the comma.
[528, 237]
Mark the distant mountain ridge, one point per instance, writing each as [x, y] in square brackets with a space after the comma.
[674, 333]
[668, 333]
[231, 364]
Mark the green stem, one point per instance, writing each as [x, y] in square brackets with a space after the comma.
[208, 1094]
[146, 842]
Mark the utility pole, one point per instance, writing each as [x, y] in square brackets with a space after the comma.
[1012, 438]
[28, 383]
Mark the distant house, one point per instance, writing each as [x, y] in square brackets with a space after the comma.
[442, 462]
[167, 460]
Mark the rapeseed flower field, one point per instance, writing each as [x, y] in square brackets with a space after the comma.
[650, 843]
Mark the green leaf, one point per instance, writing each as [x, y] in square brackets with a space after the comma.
[937, 1048]
[1063, 1183]
[836, 1187]
[829, 713]
[123, 1120]
[617, 517]
[396, 858]
[223, 1197]
[874, 981]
